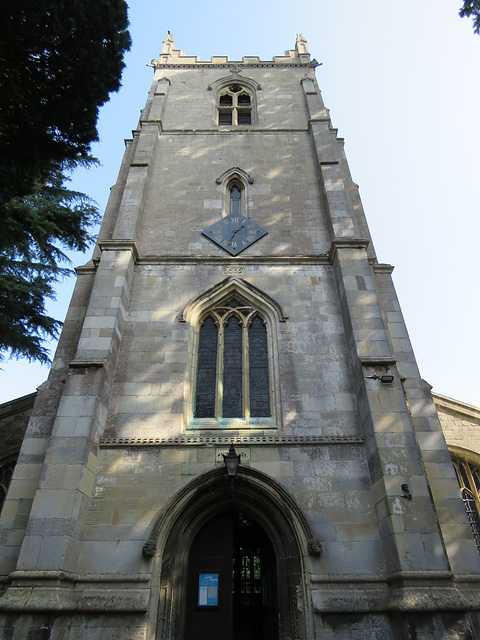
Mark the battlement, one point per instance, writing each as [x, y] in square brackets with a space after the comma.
[169, 55]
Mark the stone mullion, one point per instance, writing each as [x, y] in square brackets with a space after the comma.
[473, 486]
[245, 372]
[219, 374]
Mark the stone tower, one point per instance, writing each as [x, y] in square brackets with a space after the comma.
[234, 297]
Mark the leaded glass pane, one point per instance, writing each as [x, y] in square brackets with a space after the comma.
[472, 514]
[258, 360]
[457, 473]
[232, 370]
[463, 472]
[226, 100]
[235, 200]
[476, 477]
[244, 98]
[206, 370]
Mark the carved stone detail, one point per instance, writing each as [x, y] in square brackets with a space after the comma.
[315, 547]
[234, 270]
[149, 548]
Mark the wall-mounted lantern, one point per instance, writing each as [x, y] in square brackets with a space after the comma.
[231, 460]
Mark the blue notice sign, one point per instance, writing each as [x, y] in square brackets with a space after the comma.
[208, 590]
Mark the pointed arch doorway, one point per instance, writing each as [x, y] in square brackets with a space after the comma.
[231, 592]
[249, 546]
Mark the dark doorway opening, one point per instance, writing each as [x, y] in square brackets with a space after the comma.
[231, 592]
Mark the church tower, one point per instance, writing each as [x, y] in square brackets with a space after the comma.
[234, 317]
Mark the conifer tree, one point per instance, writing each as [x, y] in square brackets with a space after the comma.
[472, 8]
[58, 63]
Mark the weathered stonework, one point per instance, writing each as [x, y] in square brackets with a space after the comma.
[117, 478]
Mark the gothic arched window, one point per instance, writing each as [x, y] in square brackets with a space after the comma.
[232, 376]
[234, 198]
[235, 104]
[468, 476]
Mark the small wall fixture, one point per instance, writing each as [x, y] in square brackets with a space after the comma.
[385, 379]
[406, 492]
[231, 460]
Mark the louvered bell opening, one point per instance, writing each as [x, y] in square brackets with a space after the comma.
[224, 117]
[244, 117]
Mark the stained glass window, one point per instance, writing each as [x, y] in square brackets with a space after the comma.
[206, 370]
[232, 370]
[468, 476]
[259, 382]
[233, 378]
[235, 200]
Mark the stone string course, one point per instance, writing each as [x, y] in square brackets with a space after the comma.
[254, 440]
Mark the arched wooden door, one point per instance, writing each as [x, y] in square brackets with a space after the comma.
[231, 581]
[231, 561]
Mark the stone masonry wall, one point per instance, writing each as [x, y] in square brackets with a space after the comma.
[460, 424]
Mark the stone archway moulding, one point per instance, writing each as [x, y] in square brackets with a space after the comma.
[196, 311]
[263, 483]
[272, 507]
[235, 77]
[234, 171]
[212, 296]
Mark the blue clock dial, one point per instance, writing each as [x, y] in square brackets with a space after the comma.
[234, 233]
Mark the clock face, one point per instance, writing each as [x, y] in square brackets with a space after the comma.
[234, 233]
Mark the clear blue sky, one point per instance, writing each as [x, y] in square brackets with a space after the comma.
[402, 84]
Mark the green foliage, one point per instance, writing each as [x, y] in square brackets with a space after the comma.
[472, 8]
[58, 63]
[35, 230]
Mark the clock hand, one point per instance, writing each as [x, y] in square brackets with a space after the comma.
[235, 231]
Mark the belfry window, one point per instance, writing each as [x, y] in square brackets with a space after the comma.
[468, 476]
[233, 380]
[235, 106]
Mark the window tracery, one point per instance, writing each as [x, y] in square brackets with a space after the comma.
[235, 106]
[468, 476]
[233, 377]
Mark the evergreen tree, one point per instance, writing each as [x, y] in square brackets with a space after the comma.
[59, 60]
[472, 8]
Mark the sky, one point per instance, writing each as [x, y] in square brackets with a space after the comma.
[401, 81]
